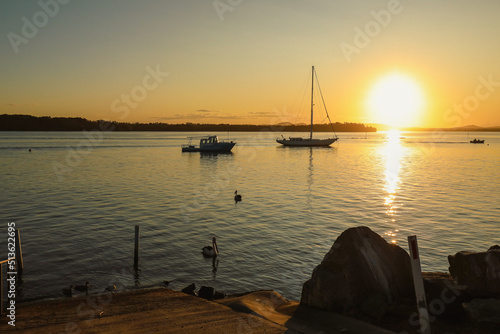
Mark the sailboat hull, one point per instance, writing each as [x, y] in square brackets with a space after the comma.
[309, 142]
[306, 142]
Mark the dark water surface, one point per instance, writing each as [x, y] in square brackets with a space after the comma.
[76, 201]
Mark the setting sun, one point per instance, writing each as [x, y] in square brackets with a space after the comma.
[395, 100]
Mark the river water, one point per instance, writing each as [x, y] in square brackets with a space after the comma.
[77, 196]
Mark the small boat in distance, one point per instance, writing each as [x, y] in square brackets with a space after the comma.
[209, 144]
[477, 141]
[310, 142]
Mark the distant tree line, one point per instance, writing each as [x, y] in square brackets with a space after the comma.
[47, 123]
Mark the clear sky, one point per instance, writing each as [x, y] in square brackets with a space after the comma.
[406, 63]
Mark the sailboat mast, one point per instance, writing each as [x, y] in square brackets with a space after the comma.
[312, 102]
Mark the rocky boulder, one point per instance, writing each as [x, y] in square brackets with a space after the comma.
[190, 289]
[483, 310]
[360, 270]
[479, 272]
[444, 297]
[206, 292]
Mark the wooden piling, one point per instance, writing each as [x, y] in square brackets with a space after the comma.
[1, 288]
[19, 253]
[136, 247]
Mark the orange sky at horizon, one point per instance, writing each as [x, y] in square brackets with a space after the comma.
[249, 63]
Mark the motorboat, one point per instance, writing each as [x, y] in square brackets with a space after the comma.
[209, 144]
[477, 141]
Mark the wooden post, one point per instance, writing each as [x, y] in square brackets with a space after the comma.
[1, 287]
[419, 285]
[136, 247]
[19, 253]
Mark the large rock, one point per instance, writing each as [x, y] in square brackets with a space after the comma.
[444, 297]
[479, 272]
[206, 292]
[483, 310]
[190, 289]
[360, 269]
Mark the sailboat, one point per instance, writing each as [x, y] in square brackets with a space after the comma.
[309, 142]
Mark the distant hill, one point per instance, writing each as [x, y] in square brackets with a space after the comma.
[476, 128]
[47, 123]
[466, 128]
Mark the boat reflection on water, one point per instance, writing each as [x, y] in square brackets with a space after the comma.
[214, 154]
[215, 266]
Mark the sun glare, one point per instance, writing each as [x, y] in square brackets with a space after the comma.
[396, 100]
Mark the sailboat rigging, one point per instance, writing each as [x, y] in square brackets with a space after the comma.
[309, 142]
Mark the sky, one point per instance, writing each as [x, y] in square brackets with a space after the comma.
[248, 62]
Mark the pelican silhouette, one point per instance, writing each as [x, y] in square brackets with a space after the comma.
[211, 251]
[237, 197]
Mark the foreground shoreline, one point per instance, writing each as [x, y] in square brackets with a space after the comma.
[168, 311]
[159, 309]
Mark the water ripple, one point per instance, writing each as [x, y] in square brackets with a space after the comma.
[295, 204]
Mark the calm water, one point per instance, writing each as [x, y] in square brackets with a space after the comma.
[76, 205]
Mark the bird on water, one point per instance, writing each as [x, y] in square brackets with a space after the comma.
[211, 251]
[237, 197]
[83, 288]
[68, 291]
[111, 288]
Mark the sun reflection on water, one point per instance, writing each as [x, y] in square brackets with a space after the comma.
[393, 152]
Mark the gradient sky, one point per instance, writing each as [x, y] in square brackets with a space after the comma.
[237, 61]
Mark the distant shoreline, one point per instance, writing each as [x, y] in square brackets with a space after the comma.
[46, 123]
[461, 129]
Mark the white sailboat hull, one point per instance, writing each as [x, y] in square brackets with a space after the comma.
[306, 142]
[309, 142]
